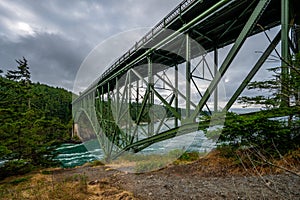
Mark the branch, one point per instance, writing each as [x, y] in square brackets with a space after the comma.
[277, 53]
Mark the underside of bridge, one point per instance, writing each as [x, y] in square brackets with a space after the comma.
[166, 86]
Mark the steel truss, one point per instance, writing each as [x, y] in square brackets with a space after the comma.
[160, 94]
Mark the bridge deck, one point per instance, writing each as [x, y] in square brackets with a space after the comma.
[108, 110]
[218, 29]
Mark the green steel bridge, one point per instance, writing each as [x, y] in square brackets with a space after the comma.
[161, 87]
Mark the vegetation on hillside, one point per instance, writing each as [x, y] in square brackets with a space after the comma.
[273, 132]
[34, 118]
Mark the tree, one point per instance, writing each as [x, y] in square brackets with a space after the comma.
[275, 129]
[33, 121]
[21, 74]
[272, 88]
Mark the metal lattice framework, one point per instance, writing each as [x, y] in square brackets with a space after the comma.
[161, 87]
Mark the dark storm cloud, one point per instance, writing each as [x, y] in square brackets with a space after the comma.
[52, 58]
[55, 36]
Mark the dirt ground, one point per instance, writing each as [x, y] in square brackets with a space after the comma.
[202, 179]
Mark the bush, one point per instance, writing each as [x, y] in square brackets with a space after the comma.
[19, 180]
[259, 131]
[189, 156]
[15, 167]
[152, 165]
[96, 163]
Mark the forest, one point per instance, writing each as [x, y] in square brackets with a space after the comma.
[34, 119]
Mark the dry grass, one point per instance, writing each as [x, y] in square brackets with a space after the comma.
[247, 162]
[41, 186]
[139, 163]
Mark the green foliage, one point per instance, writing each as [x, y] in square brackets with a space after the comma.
[189, 156]
[176, 153]
[152, 165]
[21, 74]
[155, 162]
[34, 118]
[47, 172]
[275, 130]
[261, 131]
[271, 96]
[96, 163]
[19, 180]
[4, 151]
[15, 167]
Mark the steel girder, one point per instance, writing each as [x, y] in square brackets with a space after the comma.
[126, 105]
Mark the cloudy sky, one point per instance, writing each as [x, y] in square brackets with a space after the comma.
[56, 36]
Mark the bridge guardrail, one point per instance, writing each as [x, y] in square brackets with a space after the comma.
[183, 6]
[157, 28]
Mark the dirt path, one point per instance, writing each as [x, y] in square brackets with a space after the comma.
[198, 180]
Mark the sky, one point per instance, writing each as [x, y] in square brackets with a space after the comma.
[57, 36]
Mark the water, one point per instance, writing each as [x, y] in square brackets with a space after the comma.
[71, 155]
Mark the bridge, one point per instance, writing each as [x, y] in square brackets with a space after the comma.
[165, 86]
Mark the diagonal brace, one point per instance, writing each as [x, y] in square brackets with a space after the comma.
[254, 70]
[259, 9]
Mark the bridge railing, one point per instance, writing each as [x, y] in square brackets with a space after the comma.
[178, 11]
[151, 34]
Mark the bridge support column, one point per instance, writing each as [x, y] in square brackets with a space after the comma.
[254, 70]
[284, 51]
[176, 94]
[188, 76]
[117, 101]
[137, 99]
[216, 59]
[102, 100]
[151, 96]
[129, 103]
[108, 125]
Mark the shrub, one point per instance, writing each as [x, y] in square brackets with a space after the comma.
[15, 167]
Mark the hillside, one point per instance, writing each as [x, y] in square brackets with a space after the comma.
[34, 118]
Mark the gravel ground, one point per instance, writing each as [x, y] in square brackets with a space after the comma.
[184, 186]
[189, 182]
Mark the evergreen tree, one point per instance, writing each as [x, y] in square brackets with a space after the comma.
[272, 88]
[21, 74]
[274, 129]
[34, 119]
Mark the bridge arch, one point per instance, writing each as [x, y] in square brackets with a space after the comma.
[125, 96]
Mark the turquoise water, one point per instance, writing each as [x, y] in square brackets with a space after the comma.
[71, 155]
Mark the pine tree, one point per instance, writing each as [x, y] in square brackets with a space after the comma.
[34, 119]
[22, 75]
[275, 128]
[272, 88]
